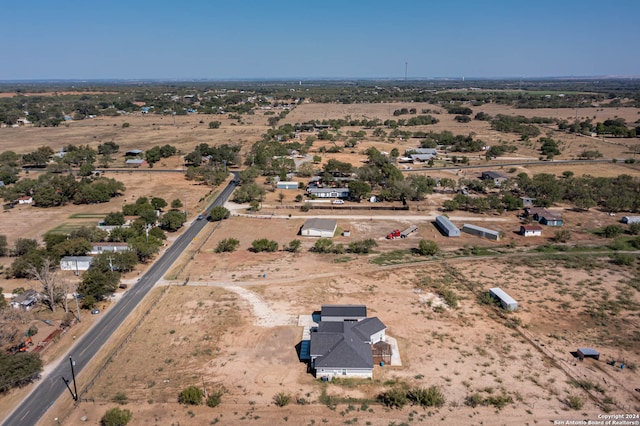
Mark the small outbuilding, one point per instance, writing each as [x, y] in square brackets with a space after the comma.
[315, 227]
[481, 232]
[135, 162]
[588, 353]
[287, 185]
[25, 200]
[496, 177]
[446, 227]
[506, 301]
[551, 220]
[531, 231]
[76, 263]
[630, 219]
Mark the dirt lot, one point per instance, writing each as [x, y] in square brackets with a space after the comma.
[235, 328]
[244, 341]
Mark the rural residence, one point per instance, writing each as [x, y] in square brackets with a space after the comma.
[76, 263]
[329, 192]
[25, 300]
[97, 248]
[344, 342]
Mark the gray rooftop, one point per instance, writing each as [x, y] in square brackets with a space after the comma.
[368, 327]
[77, 259]
[325, 190]
[344, 311]
[320, 224]
[588, 351]
[343, 350]
[498, 292]
[431, 151]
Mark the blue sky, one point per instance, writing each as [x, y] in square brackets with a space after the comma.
[305, 39]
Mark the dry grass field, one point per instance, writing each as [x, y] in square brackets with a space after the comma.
[244, 342]
[234, 328]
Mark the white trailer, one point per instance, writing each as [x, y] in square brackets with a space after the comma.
[506, 301]
[408, 231]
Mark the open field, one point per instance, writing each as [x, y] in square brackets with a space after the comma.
[212, 333]
[235, 327]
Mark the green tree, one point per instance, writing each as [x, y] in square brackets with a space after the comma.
[219, 213]
[86, 169]
[562, 236]
[172, 221]
[176, 204]
[338, 168]
[362, 246]
[306, 169]
[114, 219]
[150, 216]
[394, 398]
[612, 231]
[143, 248]
[427, 248]
[448, 183]
[71, 247]
[247, 193]
[191, 396]
[421, 186]
[429, 397]
[214, 124]
[359, 189]
[323, 245]
[18, 370]
[227, 245]
[99, 283]
[294, 246]
[634, 229]
[23, 246]
[116, 417]
[158, 203]
[264, 244]
[248, 175]
[4, 246]
[108, 148]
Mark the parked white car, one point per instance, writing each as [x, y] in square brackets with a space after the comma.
[337, 202]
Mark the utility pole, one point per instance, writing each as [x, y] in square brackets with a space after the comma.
[406, 64]
[74, 392]
[75, 296]
[186, 216]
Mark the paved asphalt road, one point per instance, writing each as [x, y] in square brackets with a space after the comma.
[52, 386]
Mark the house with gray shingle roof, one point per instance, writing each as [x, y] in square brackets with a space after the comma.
[344, 348]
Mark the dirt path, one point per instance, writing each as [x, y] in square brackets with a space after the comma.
[264, 315]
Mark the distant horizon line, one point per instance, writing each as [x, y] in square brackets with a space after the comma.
[312, 79]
